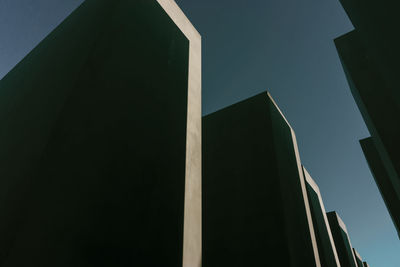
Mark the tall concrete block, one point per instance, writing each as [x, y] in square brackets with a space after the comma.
[255, 205]
[326, 246]
[100, 144]
[370, 56]
[377, 24]
[359, 260]
[378, 107]
[382, 180]
[342, 240]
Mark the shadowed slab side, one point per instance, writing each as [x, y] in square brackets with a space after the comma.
[377, 24]
[101, 139]
[382, 179]
[359, 260]
[255, 207]
[342, 240]
[377, 100]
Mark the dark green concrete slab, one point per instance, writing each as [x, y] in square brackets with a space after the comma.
[254, 210]
[377, 106]
[342, 240]
[382, 179]
[93, 142]
[358, 258]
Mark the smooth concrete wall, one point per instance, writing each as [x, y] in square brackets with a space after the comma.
[377, 24]
[342, 240]
[326, 246]
[382, 180]
[96, 149]
[378, 107]
[255, 208]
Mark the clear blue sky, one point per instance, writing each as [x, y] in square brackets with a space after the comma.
[249, 46]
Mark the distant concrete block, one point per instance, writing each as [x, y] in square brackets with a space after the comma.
[342, 240]
[377, 106]
[326, 246]
[359, 260]
[255, 205]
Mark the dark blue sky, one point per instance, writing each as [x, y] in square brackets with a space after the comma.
[286, 47]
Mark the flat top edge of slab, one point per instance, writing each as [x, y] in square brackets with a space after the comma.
[340, 221]
[180, 19]
[311, 181]
[280, 111]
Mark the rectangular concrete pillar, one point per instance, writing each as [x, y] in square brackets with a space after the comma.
[377, 24]
[255, 205]
[359, 260]
[326, 246]
[377, 103]
[100, 158]
[382, 180]
[342, 240]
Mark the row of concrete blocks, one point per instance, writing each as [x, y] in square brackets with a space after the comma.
[102, 152]
[260, 205]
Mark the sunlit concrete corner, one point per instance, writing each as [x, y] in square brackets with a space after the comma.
[382, 179]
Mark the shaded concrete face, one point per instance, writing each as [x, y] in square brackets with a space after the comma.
[326, 246]
[254, 210]
[377, 105]
[370, 56]
[382, 180]
[342, 241]
[377, 24]
[94, 142]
